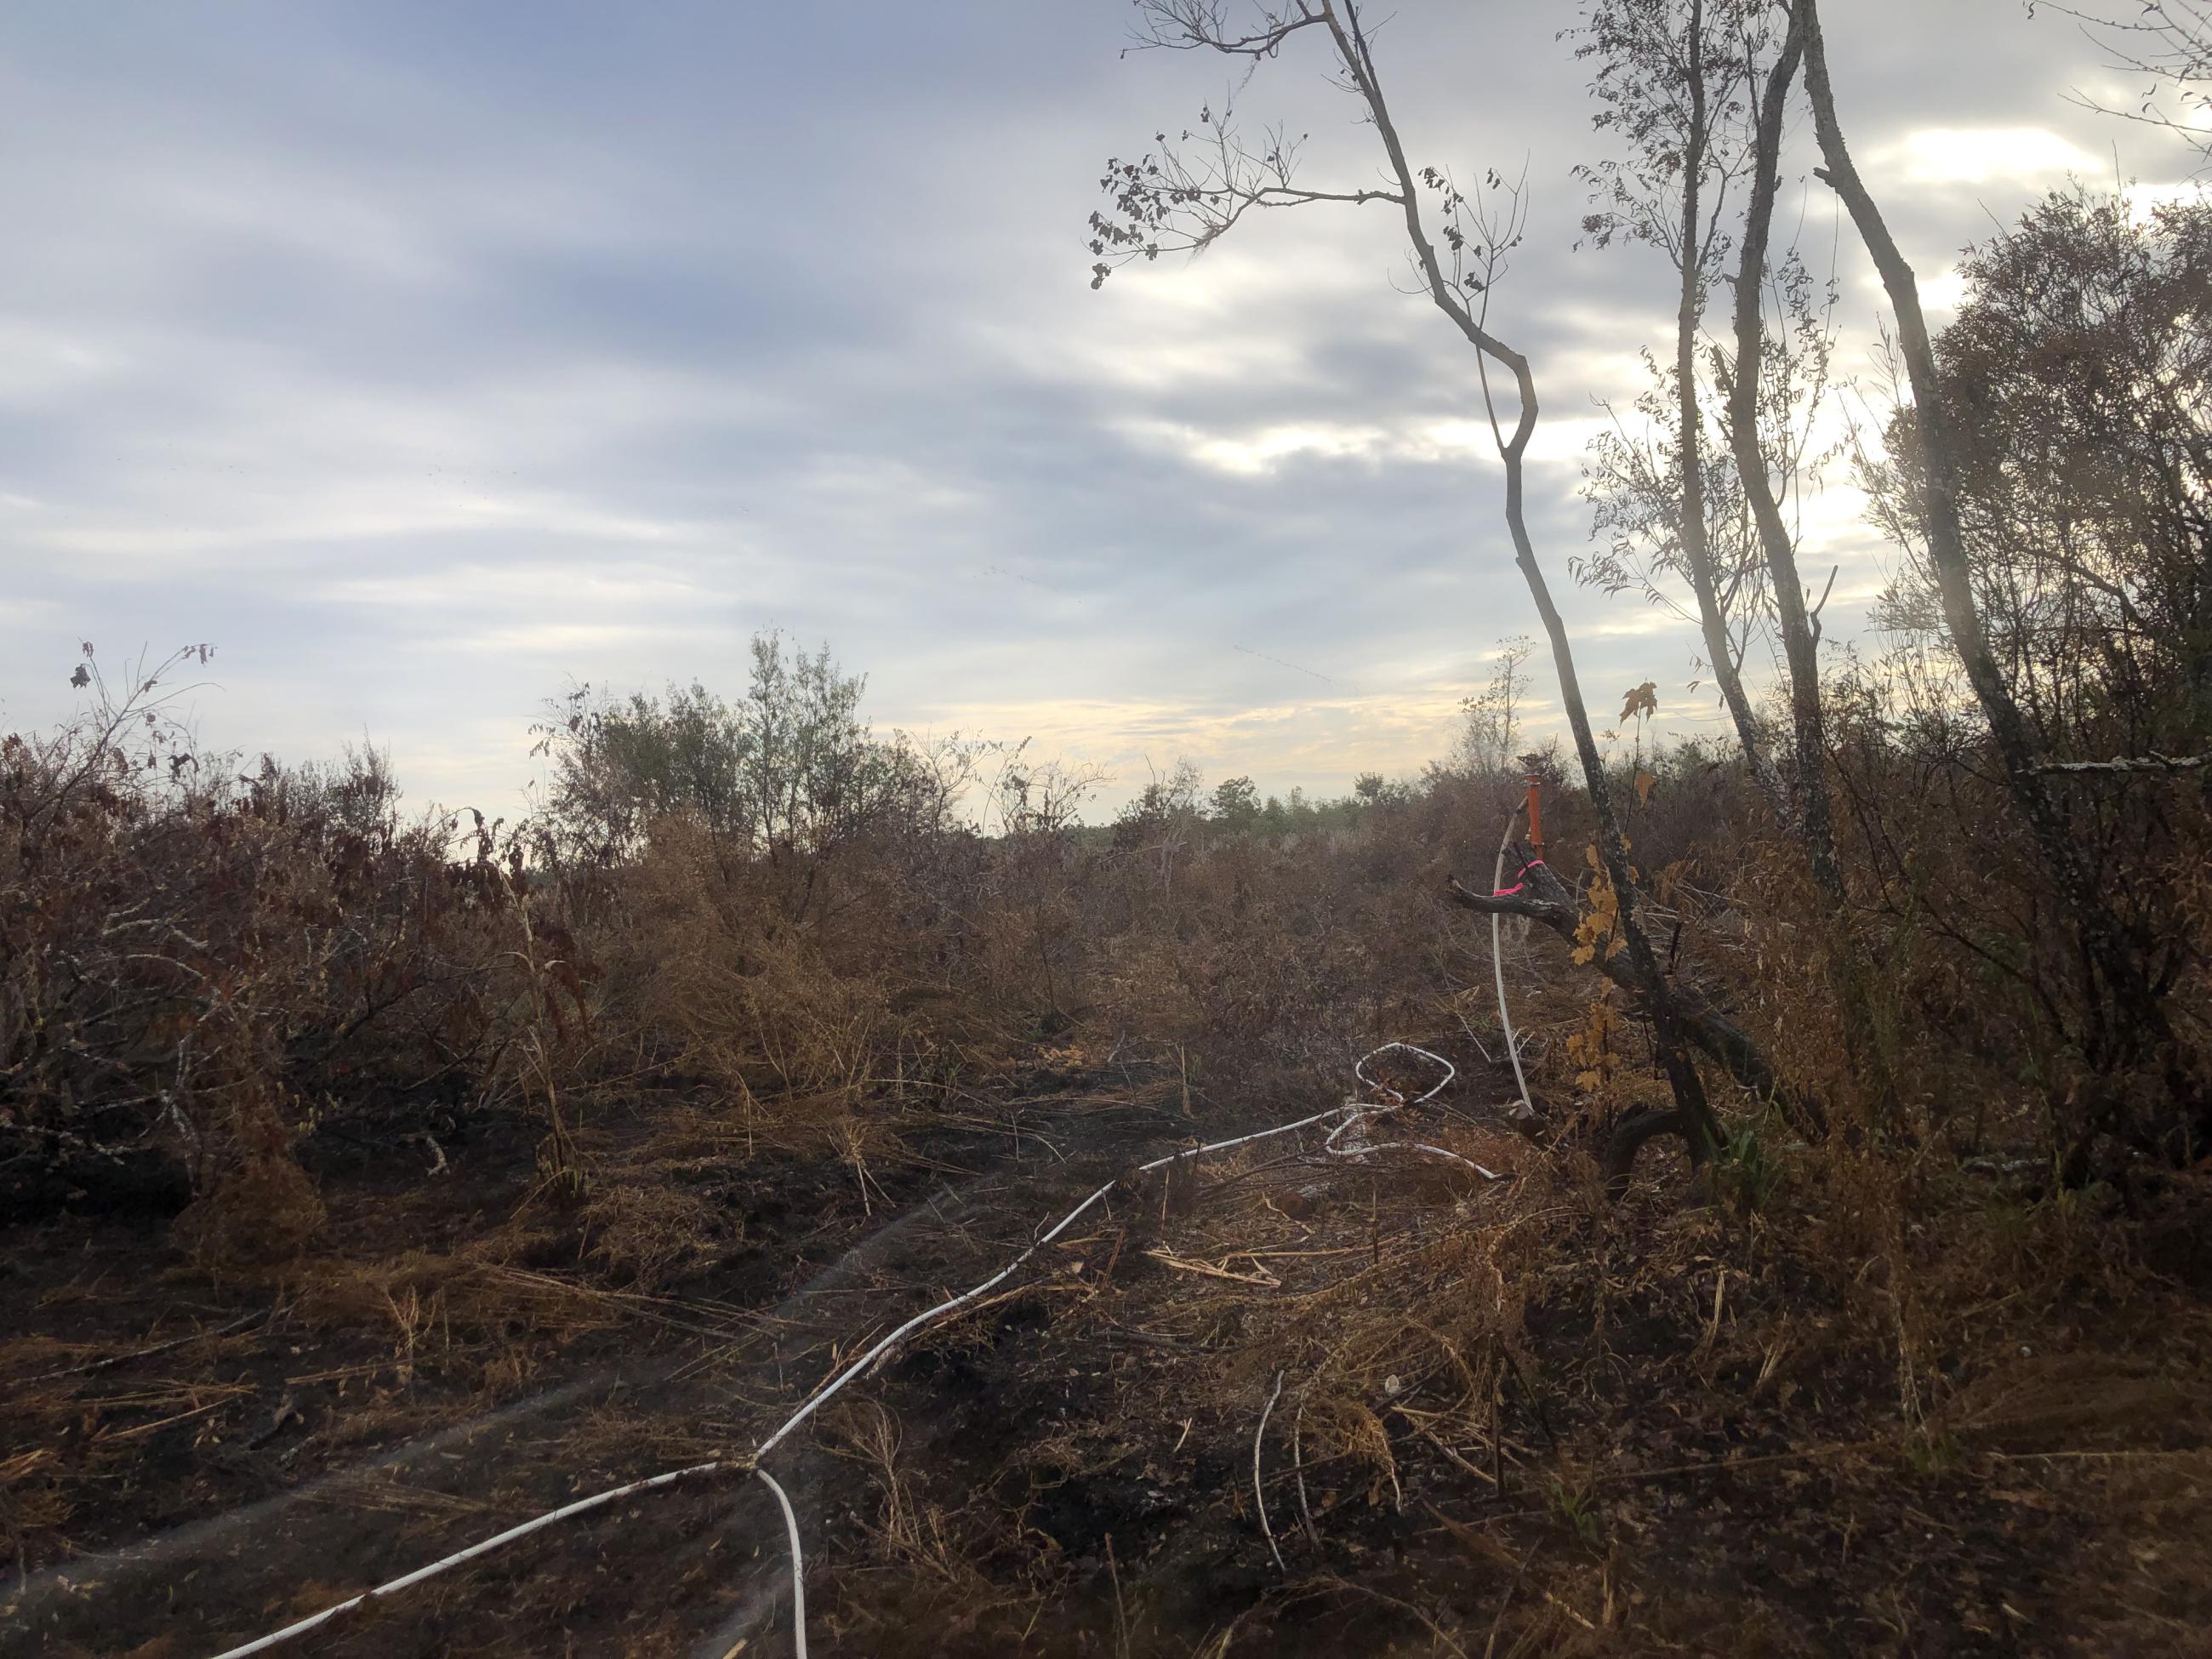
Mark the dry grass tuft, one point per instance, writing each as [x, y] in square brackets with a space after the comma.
[260, 1215]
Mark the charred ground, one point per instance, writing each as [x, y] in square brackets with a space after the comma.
[585, 1172]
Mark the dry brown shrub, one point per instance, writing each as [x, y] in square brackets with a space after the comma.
[642, 1231]
[261, 1214]
[2077, 1402]
[746, 994]
[908, 1528]
[31, 1499]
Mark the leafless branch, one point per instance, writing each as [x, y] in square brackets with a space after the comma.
[2154, 765]
[2169, 42]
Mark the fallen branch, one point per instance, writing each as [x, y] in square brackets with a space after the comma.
[1544, 898]
[1298, 1468]
[1167, 1258]
[238, 1323]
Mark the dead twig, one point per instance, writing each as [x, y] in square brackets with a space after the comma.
[1298, 1467]
[1259, 1494]
[1167, 1258]
[238, 1323]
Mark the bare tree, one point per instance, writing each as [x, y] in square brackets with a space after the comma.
[1490, 735]
[1800, 643]
[1674, 84]
[1698, 89]
[1178, 197]
[2129, 1022]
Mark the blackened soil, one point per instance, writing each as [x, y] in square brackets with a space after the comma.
[307, 1462]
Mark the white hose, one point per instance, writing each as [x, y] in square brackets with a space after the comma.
[1527, 1108]
[470, 1554]
[1353, 1112]
[798, 1567]
[920, 1320]
[1358, 1115]
[1259, 1491]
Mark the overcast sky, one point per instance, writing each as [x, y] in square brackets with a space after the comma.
[426, 357]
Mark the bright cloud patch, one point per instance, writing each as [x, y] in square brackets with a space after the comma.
[1262, 449]
[1267, 450]
[1981, 155]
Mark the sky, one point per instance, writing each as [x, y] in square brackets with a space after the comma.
[428, 359]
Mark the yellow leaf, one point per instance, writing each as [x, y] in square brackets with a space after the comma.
[1645, 783]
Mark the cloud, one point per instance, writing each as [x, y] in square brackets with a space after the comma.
[1981, 155]
[427, 357]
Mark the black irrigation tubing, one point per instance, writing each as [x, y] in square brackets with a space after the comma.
[1353, 1114]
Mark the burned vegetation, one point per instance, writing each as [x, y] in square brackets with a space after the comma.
[1743, 1196]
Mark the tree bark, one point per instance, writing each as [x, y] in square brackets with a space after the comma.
[1816, 818]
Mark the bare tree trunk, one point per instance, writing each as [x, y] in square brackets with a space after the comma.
[1812, 809]
[1168, 203]
[1697, 1123]
[1689, 445]
[2128, 1020]
[1694, 1120]
[1814, 815]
